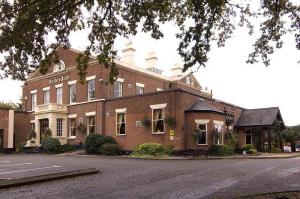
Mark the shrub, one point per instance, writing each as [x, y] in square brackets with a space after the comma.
[169, 149]
[93, 142]
[149, 149]
[216, 150]
[66, 147]
[275, 150]
[50, 145]
[252, 151]
[20, 147]
[110, 149]
[220, 150]
[248, 147]
[228, 150]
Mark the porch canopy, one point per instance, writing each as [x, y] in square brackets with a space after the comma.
[259, 117]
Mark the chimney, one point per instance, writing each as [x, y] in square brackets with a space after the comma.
[151, 60]
[128, 54]
[177, 69]
[151, 63]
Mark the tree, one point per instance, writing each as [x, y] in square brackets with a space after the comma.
[291, 135]
[277, 134]
[10, 105]
[25, 25]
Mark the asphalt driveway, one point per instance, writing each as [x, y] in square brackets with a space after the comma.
[130, 178]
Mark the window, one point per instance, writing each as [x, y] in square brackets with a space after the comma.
[59, 123]
[159, 89]
[248, 137]
[72, 127]
[33, 101]
[59, 95]
[202, 137]
[91, 124]
[72, 93]
[47, 97]
[158, 125]
[218, 138]
[91, 89]
[118, 87]
[121, 124]
[139, 90]
[59, 66]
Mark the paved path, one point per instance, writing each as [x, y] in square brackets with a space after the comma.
[125, 178]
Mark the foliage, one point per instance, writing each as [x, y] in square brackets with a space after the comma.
[94, 142]
[81, 128]
[231, 139]
[215, 135]
[215, 150]
[275, 150]
[152, 149]
[20, 147]
[110, 149]
[12, 106]
[146, 122]
[66, 148]
[169, 149]
[170, 121]
[220, 150]
[32, 135]
[248, 148]
[277, 135]
[200, 23]
[47, 134]
[252, 151]
[50, 145]
[228, 150]
[291, 135]
[196, 134]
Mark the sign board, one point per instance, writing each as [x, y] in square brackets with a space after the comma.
[287, 149]
[171, 138]
[172, 132]
[59, 79]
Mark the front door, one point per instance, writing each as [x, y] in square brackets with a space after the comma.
[1, 138]
[44, 126]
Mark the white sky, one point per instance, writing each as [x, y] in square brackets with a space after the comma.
[226, 73]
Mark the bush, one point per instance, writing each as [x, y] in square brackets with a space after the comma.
[149, 149]
[220, 150]
[169, 149]
[215, 150]
[50, 145]
[110, 149]
[228, 150]
[275, 150]
[66, 147]
[248, 148]
[20, 147]
[252, 151]
[94, 142]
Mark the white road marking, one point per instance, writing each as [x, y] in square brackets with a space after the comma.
[5, 161]
[12, 165]
[18, 171]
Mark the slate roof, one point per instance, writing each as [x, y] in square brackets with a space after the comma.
[258, 117]
[201, 106]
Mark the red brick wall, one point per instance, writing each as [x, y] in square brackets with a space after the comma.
[22, 127]
[4, 113]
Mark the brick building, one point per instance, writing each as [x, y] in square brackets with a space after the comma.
[141, 106]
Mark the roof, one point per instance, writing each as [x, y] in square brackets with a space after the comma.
[258, 117]
[201, 106]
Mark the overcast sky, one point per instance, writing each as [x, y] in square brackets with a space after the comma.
[226, 73]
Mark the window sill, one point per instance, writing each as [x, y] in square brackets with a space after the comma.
[71, 138]
[202, 144]
[120, 134]
[157, 133]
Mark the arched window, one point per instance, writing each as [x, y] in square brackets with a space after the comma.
[59, 66]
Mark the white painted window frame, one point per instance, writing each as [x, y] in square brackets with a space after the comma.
[156, 107]
[203, 122]
[120, 111]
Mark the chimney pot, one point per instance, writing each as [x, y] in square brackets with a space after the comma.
[128, 54]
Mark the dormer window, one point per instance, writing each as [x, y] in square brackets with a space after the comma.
[189, 81]
[59, 66]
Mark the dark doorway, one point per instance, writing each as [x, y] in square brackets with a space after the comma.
[1, 138]
[44, 126]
